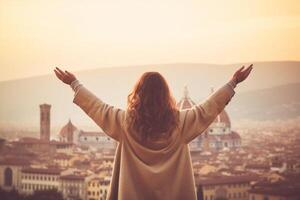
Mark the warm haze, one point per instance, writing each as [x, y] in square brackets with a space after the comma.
[36, 36]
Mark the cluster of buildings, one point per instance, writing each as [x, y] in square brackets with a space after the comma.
[72, 183]
[80, 163]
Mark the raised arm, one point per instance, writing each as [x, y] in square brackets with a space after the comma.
[197, 119]
[108, 117]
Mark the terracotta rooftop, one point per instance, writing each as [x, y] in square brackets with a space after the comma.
[222, 180]
[52, 171]
[91, 133]
[281, 191]
[14, 161]
[72, 177]
[66, 129]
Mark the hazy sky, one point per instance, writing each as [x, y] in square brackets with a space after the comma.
[37, 35]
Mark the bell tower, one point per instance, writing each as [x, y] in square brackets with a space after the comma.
[45, 122]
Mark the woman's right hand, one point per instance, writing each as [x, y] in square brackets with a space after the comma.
[241, 74]
[64, 76]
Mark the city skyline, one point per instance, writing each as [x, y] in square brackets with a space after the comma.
[68, 139]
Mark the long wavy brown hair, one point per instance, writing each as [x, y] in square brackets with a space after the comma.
[151, 107]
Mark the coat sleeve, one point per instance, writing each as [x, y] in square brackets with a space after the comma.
[197, 119]
[109, 118]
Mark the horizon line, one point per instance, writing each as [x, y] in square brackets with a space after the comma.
[143, 65]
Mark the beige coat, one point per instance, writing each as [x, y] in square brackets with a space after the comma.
[163, 171]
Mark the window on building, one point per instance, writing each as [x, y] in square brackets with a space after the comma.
[8, 175]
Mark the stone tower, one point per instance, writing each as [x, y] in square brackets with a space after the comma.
[45, 122]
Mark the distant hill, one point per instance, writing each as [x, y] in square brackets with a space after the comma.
[271, 92]
[280, 102]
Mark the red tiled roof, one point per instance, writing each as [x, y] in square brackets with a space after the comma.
[225, 180]
[62, 156]
[14, 161]
[66, 129]
[282, 192]
[53, 171]
[257, 166]
[91, 133]
[72, 177]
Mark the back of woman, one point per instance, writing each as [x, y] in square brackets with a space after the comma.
[152, 159]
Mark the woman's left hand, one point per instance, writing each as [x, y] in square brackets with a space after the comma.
[64, 76]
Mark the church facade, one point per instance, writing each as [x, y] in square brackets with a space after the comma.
[98, 140]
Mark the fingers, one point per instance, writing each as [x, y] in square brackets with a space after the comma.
[240, 69]
[60, 71]
[249, 68]
[69, 73]
[58, 75]
[247, 71]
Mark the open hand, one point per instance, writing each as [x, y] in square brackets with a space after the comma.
[64, 76]
[241, 74]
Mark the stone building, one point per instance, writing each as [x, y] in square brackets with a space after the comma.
[34, 179]
[97, 188]
[224, 187]
[73, 187]
[45, 122]
[99, 140]
[10, 173]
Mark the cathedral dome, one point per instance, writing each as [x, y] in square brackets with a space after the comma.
[186, 102]
[68, 129]
[223, 118]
